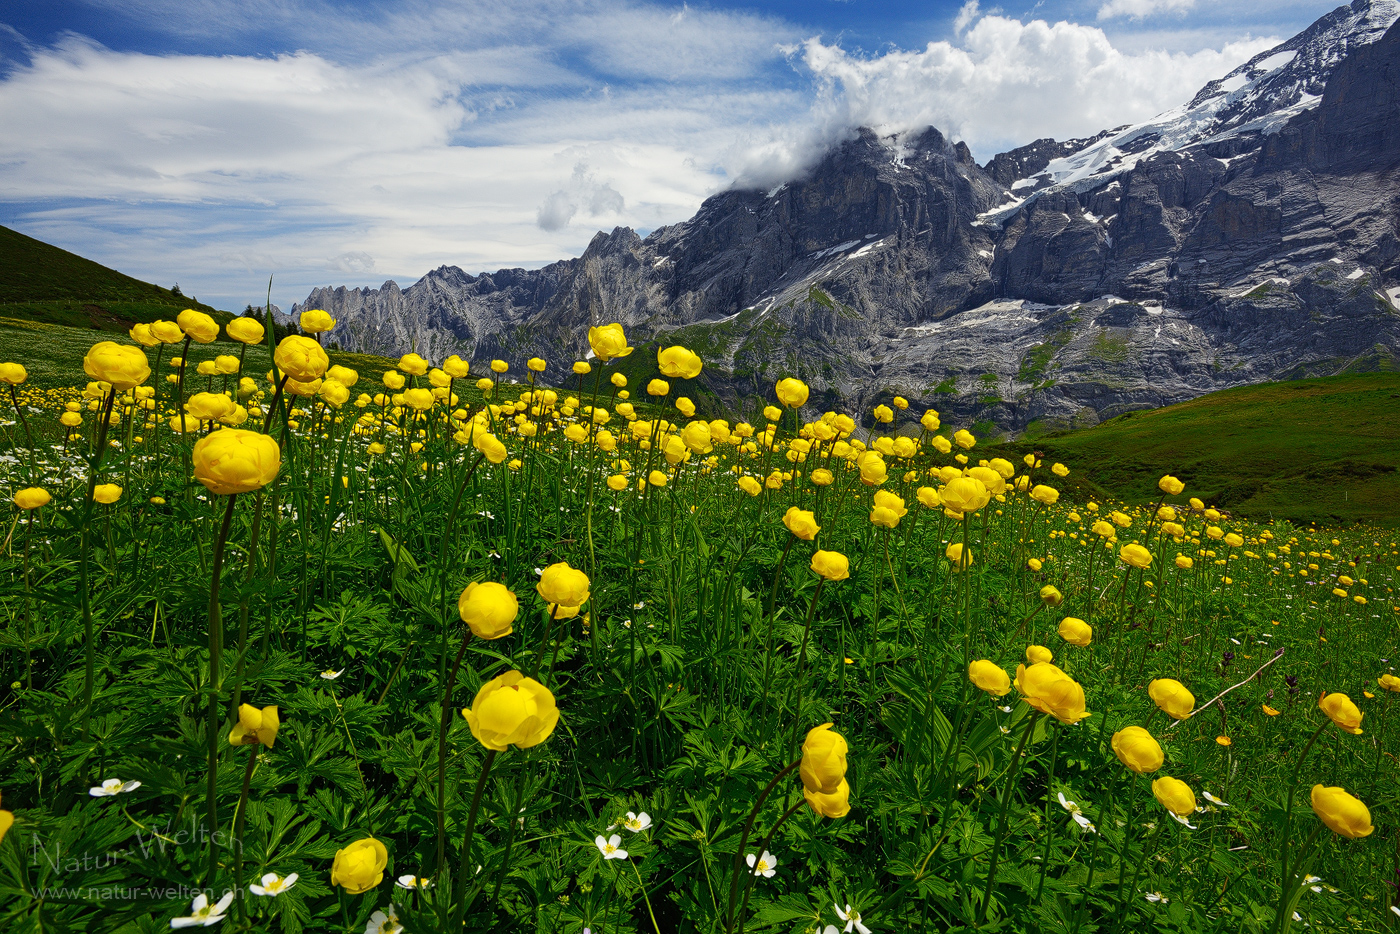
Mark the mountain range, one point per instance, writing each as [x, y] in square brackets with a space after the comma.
[1247, 235]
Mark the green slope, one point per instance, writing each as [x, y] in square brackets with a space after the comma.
[40, 282]
[1317, 449]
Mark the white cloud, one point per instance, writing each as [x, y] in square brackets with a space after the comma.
[966, 16]
[1138, 9]
[1006, 84]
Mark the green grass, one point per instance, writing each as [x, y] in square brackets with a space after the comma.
[1318, 449]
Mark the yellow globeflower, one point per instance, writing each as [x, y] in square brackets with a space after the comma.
[873, 471]
[989, 676]
[254, 726]
[888, 509]
[1050, 594]
[535, 365]
[1342, 712]
[1184, 562]
[802, 523]
[1047, 495]
[831, 565]
[1174, 795]
[245, 330]
[1137, 750]
[360, 866]
[1038, 653]
[314, 321]
[167, 332]
[1076, 632]
[883, 414]
[512, 710]
[954, 553]
[750, 486]
[1049, 690]
[678, 363]
[608, 342]
[418, 399]
[32, 498]
[106, 493]
[930, 421]
[559, 583]
[965, 495]
[823, 759]
[617, 483]
[489, 609]
[122, 366]
[1172, 697]
[1342, 813]
[394, 380]
[140, 332]
[658, 387]
[792, 392]
[455, 367]
[1389, 682]
[301, 358]
[656, 478]
[489, 445]
[1170, 485]
[198, 326]
[13, 373]
[964, 439]
[207, 405]
[1135, 555]
[233, 460]
[412, 364]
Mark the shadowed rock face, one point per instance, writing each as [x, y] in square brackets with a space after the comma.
[1262, 251]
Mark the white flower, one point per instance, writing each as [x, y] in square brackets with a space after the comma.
[273, 884]
[1004, 709]
[609, 847]
[1077, 814]
[852, 919]
[330, 675]
[113, 786]
[381, 923]
[413, 882]
[1182, 821]
[764, 865]
[1395, 909]
[203, 914]
[637, 822]
[1156, 897]
[1213, 799]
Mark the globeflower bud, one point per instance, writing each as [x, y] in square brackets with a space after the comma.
[989, 676]
[792, 392]
[1076, 632]
[562, 584]
[359, 867]
[301, 358]
[197, 325]
[32, 498]
[1341, 711]
[1170, 485]
[823, 759]
[1343, 814]
[122, 366]
[1137, 750]
[1172, 697]
[1135, 555]
[1174, 795]
[489, 609]
[802, 523]
[831, 565]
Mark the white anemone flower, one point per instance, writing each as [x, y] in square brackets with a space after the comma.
[764, 865]
[637, 822]
[609, 847]
[331, 674]
[273, 884]
[203, 914]
[1076, 813]
[413, 882]
[113, 786]
[1182, 821]
[1213, 799]
[852, 919]
[381, 923]
[1156, 897]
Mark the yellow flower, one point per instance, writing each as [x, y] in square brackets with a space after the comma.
[685, 407]
[1389, 682]
[106, 493]
[13, 373]
[1224, 740]
[884, 413]
[1038, 653]
[1059, 470]
[823, 765]
[7, 820]
[823, 477]
[198, 325]
[141, 333]
[512, 710]
[964, 439]
[582, 368]
[1184, 562]
[1076, 632]
[888, 509]
[562, 584]
[792, 392]
[1137, 750]
[535, 365]
[455, 367]
[254, 726]
[32, 498]
[831, 565]
[489, 609]
[244, 330]
[678, 363]
[1341, 812]
[236, 461]
[1051, 691]
[989, 478]
[988, 676]
[1049, 594]
[961, 561]
[1135, 555]
[750, 486]
[167, 332]
[301, 358]
[930, 421]
[656, 478]
[872, 468]
[608, 342]
[122, 366]
[420, 400]
[1045, 494]
[1341, 711]
[835, 805]
[1174, 795]
[1172, 697]
[1170, 485]
[208, 405]
[360, 866]
[802, 523]
[489, 445]
[965, 495]
[929, 497]
[314, 321]
[1269, 710]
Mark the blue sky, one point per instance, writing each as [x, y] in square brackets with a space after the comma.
[338, 143]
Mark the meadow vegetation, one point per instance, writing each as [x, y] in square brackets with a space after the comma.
[294, 642]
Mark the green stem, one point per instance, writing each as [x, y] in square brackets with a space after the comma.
[737, 869]
[460, 899]
[997, 841]
[216, 645]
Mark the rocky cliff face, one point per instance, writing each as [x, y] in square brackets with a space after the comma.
[1248, 235]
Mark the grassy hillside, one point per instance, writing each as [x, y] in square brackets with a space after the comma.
[1317, 449]
[40, 282]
